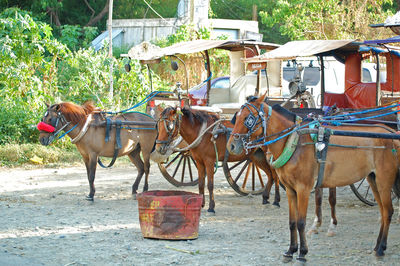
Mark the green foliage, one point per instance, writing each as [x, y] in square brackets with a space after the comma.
[75, 37]
[17, 154]
[327, 19]
[185, 33]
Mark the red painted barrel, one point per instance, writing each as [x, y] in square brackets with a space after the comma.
[169, 214]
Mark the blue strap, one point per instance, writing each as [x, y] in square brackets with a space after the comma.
[65, 133]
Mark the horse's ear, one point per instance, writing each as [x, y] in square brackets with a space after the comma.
[47, 105]
[57, 107]
[262, 97]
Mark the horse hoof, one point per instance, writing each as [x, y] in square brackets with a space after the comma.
[89, 198]
[330, 233]
[301, 261]
[286, 258]
[379, 253]
[276, 204]
[211, 211]
[265, 201]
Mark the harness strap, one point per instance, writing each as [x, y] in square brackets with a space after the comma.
[321, 151]
[117, 145]
[287, 153]
[83, 130]
[108, 129]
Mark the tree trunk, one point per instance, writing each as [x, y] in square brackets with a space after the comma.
[97, 18]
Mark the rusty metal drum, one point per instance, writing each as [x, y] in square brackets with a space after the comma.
[169, 214]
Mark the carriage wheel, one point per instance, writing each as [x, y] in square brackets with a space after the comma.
[180, 169]
[245, 177]
[363, 192]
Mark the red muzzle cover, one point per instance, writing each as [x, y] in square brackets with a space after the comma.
[42, 126]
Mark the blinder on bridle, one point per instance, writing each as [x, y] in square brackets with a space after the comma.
[253, 123]
[54, 122]
[170, 127]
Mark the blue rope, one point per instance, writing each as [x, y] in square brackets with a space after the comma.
[364, 112]
[283, 136]
[145, 100]
[65, 133]
[338, 122]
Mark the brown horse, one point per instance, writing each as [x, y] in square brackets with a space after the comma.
[375, 158]
[86, 127]
[188, 123]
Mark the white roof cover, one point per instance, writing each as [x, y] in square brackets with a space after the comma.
[148, 51]
[295, 49]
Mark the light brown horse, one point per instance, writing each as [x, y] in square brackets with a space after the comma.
[86, 127]
[188, 123]
[375, 158]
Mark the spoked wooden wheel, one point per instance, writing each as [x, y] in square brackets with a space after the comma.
[363, 192]
[180, 169]
[245, 177]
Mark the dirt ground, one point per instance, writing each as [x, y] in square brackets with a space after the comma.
[45, 220]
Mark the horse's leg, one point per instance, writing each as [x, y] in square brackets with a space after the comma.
[332, 202]
[91, 163]
[134, 156]
[383, 198]
[319, 192]
[146, 150]
[292, 202]
[201, 173]
[277, 199]
[210, 186]
[258, 158]
[302, 205]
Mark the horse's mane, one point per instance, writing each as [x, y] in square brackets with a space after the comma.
[74, 113]
[198, 115]
[284, 112]
[277, 108]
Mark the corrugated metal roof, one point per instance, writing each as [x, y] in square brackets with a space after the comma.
[98, 43]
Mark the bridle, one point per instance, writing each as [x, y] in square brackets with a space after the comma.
[253, 123]
[59, 119]
[171, 127]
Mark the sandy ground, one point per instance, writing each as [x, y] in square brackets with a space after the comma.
[45, 220]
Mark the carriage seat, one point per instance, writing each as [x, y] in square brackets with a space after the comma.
[210, 109]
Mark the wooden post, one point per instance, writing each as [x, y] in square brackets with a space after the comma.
[255, 15]
[110, 51]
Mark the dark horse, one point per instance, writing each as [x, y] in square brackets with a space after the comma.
[375, 158]
[188, 122]
[86, 127]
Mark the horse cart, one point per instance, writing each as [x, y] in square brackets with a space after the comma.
[180, 169]
[354, 91]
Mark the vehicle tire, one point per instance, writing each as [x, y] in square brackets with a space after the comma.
[363, 192]
[180, 169]
[245, 177]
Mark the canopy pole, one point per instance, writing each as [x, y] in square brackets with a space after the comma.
[378, 81]
[321, 58]
[110, 52]
[208, 75]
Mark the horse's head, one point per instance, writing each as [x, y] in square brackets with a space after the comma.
[250, 124]
[51, 123]
[168, 128]
[62, 116]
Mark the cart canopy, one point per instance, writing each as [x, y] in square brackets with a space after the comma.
[146, 51]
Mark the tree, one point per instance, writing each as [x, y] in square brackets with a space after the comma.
[329, 19]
